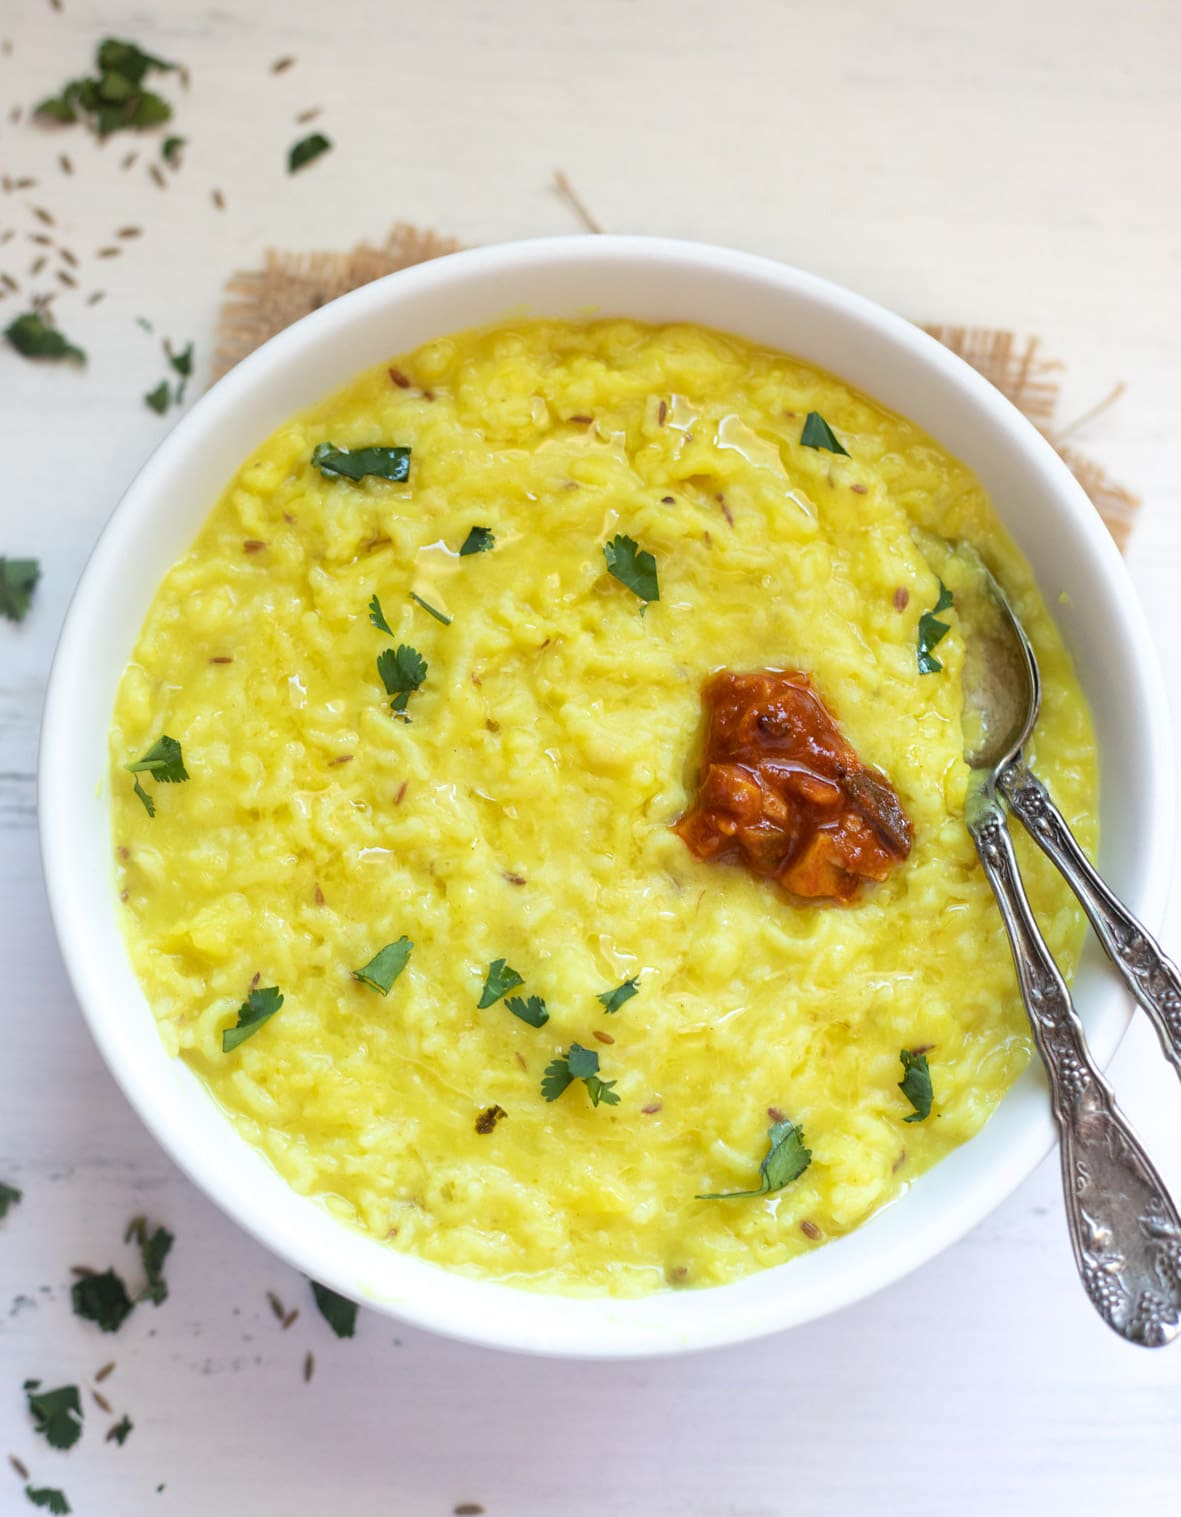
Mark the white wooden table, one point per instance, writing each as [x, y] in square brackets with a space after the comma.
[1010, 167]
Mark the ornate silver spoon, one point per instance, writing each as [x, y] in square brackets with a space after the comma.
[1124, 1227]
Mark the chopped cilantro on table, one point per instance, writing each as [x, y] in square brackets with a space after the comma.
[612, 1000]
[385, 966]
[258, 1007]
[154, 1247]
[118, 1433]
[532, 1011]
[163, 395]
[306, 150]
[9, 1196]
[338, 1311]
[356, 463]
[164, 762]
[50, 1498]
[170, 150]
[34, 337]
[787, 1159]
[377, 617]
[578, 1063]
[478, 540]
[501, 978]
[818, 434]
[402, 672]
[19, 577]
[915, 1084]
[439, 616]
[102, 1299]
[159, 399]
[632, 566]
[57, 1414]
[116, 99]
[932, 631]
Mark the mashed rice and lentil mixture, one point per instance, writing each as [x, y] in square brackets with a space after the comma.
[488, 816]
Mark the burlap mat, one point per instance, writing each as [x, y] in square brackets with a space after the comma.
[260, 302]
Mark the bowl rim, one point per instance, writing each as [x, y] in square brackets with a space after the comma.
[68, 896]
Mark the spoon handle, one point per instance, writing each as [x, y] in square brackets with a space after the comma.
[1124, 1228]
[1150, 976]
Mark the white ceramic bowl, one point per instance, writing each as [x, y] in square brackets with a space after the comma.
[1081, 577]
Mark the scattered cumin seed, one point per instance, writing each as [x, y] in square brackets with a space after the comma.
[93, 300]
[41, 213]
[82, 1270]
[427, 394]
[399, 379]
[67, 279]
[157, 175]
[309, 115]
[67, 257]
[124, 852]
[309, 1365]
[859, 489]
[186, 80]
[8, 234]
[521, 1061]
[277, 1306]
[66, 166]
[318, 896]
[101, 1401]
[515, 879]
[218, 199]
[125, 895]
[662, 414]
[9, 282]
[468, 1509]
[222, 658]
[128, 232]
[18, 1466]
[652, 1108]
[111, 252]
[585, 420]
[775, 1114]
[129, 160]
[256, 979]
[281, 65]
[55, 5]
[810, 1230]
[898, 1162]
[341, 758]
[27, 183]
[37, 265]
[107, 1369]
[668, 500]
[401, 795]
[603, 1037]
[726, 512]
[253, 545]
[42, 239]
[290, 1317]
[14, 114]
[901, 598]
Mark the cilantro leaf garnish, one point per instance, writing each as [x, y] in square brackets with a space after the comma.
[438, 615]
[818, 434]
[377, 617]
[338, 1311]
[501, 978]
[164, 761]
[258, 1007]
[932, 630]
[33, 337]
[159, 399]
[118, 1433]
[915, 1084]
[9, 1196]
[402, 672]
[632, 566]
[385, 966]
[102, 1299]
[786, 1160]
[306, 149]
[578, 1063]
[356, 463]
[478, 540]
[49, 1497]
[127, 59]
[612, 1000]
[532, 1011]
[116, 98]
[18, 580]
[153, 1250]
[57, 1414]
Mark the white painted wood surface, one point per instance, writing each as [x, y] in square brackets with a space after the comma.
[1004, 164]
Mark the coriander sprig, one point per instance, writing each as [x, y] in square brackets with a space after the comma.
[632, 566]
[818, 434]
[787, 1159]
[258, 1007]
[402, 672]
[612, 1000]
[385, 966]
[915, 1084]
[164, 762]
[500, 979]
[578, 1063]
[932, 631]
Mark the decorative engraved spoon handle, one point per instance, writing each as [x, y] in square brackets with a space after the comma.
[1149, 975]
[1124, 1228]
